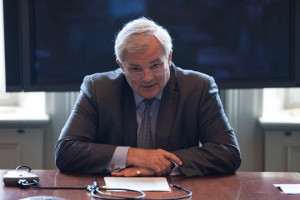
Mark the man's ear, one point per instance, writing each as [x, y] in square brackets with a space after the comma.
[120, 64]
[170, 58]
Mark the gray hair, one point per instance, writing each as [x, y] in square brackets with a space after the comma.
[141, 26]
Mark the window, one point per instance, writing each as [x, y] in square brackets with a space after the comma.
[281, 102]
[9, 99]
[292, 101]
[292, 98]
[24, 104]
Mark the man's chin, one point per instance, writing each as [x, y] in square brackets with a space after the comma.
[149, 95]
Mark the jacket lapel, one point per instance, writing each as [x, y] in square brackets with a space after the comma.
[128, 116]
[166, 113]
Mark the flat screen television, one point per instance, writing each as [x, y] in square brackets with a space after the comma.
[50, 45]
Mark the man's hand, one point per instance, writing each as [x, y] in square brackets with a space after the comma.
[134, 171]
[158, 160]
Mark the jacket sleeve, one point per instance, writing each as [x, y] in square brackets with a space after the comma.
[218, 152]
[79, 147]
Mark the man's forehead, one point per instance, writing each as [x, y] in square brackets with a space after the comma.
[142, 43]
[137, 64]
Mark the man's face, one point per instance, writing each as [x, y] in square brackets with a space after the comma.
[138, 64]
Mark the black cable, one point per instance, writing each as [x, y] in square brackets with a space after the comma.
[98, 190]
[94, 189]
[91, 188]
[189, 193]
[24, 183]
[25, 166]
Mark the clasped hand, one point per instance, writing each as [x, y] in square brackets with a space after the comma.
[148, 162]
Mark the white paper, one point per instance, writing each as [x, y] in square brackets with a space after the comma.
[289, 188]
[138, 183]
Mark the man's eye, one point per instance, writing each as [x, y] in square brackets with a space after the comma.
[155, 66]
[135, 69]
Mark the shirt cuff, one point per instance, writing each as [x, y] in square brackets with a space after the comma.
[118, 160]
[175, 171]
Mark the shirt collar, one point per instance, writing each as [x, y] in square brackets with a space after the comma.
[138, 99]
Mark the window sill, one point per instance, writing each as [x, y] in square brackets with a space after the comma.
[13, 116]
[280, 122]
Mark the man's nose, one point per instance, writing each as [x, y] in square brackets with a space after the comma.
[147, 75]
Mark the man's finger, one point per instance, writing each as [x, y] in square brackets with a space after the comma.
[173, 157]
[120, 173]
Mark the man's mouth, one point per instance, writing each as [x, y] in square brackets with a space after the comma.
[148, 86]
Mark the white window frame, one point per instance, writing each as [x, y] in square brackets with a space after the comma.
[292, 98]
[2, 57]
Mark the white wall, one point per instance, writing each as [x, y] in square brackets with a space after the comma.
[243, 108]
[2, 60]
[58, 107]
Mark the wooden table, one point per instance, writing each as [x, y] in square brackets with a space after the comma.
[243, 185]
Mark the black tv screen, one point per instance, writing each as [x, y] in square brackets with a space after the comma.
[242, 44]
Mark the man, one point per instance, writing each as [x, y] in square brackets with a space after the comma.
[149, 117]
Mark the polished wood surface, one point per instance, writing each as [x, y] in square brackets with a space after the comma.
[242, 186]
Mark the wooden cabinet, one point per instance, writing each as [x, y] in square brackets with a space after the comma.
[21, 146]
[281, 146]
